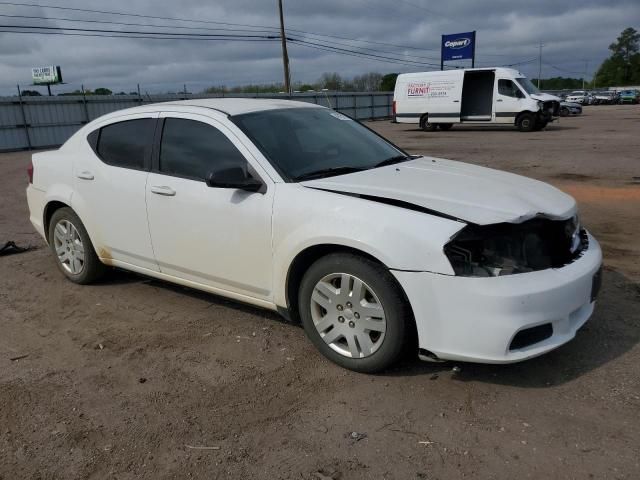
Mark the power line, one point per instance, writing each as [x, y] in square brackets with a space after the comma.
[356, 53]
[178, 35]
[563, 69]
[63, 19]
[105, 12]
[364, 49]
[36, 17]
[143, 35]
[328, 45]
[139, 15]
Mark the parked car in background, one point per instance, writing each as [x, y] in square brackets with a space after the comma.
[570, 108]
[628, 96]
[578, 96]
[605, 97]
[302, 210]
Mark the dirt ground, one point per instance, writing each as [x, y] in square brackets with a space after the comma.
[135, 378]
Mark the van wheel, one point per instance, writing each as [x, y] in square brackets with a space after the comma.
[354, 312]
[445, 126]
[426, 126]
[526, 122]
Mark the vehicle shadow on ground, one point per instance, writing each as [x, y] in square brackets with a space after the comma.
[124, 277]
[613, 330]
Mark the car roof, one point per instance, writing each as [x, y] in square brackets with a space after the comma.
[238, 106]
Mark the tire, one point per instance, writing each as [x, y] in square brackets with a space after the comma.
[426, 126]
[445, 126]
[72, 248]
[332, 323]
[526, 122]
[564, 112]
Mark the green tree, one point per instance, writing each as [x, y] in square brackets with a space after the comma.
[623, 66]
[388, 83]
[102, 91]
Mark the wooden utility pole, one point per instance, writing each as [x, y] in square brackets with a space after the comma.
[285, 56]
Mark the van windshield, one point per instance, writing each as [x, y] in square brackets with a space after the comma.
[526, 84]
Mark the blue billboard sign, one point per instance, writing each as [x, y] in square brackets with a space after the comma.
[458, 46]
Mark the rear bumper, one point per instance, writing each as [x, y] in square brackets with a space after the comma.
[477, 319]
[36, 202]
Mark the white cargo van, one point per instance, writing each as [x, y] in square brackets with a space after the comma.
[477, 96]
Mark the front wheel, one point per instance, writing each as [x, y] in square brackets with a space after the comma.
[354, 312]
[564, 112]
[526, 122]
[445, 126]
[72, 248]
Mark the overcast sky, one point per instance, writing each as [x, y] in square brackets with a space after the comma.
[508, 31]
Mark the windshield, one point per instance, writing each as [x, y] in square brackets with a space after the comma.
[527, 85]
[301, 142]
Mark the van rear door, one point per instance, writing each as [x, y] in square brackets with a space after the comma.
[435, 94]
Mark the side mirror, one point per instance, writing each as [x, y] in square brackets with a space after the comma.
[233, 177]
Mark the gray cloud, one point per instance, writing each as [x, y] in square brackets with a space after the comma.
[575, 33]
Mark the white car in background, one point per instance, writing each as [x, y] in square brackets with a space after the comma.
[578, 96]
[299, 209]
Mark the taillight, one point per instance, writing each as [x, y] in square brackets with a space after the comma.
[394, 108]
[30, 172]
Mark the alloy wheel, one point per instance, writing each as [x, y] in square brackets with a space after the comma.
[68, 246]
[348, 315]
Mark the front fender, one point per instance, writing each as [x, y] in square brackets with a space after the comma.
[400, 238]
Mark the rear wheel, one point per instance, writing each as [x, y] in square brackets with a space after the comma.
[445, 126]
[426, 126]
[354, 312]
[526, 122]
[72, 248]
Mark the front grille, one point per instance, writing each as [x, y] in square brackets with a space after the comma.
[553, 107]
[529, 336]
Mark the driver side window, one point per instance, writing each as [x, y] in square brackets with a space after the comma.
[192, 149]
[508, 89]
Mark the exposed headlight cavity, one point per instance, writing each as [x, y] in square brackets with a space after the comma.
[506, 248]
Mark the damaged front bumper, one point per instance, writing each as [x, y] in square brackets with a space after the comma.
[502, 319]
[548, 112]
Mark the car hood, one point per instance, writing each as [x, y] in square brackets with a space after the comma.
[454, 189]
[545, 97]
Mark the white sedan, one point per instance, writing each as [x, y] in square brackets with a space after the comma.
[300, 209]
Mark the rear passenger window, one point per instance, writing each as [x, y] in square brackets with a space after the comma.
[126, 144]
[193, 149]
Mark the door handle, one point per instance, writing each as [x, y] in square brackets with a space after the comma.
[85, 175]
[499, 100]
[163, 190]
[456, 101]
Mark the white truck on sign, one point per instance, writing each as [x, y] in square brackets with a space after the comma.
[478, 96]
